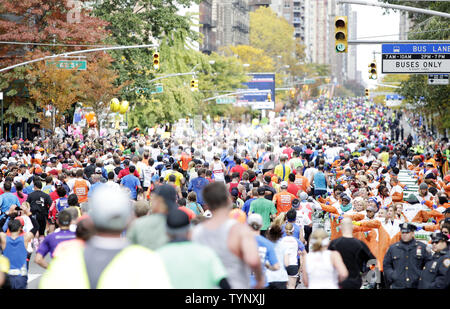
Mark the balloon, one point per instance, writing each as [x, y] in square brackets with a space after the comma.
[255, 122]
[114, 105]
[123, 107]
[238, 215]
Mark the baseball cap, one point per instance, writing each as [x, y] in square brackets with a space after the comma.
[110, 209]
[284, 184]
[261, 190]
[177, 222]
[423, 186]
[234, 192]
[303, 196]
[255, 219]
[98, 170]
[345, 197]
[296, 203]
[168, 194]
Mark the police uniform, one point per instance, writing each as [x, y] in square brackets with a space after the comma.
[404, 262]
[435, 273]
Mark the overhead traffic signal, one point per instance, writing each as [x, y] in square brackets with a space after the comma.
[194, 85]
[367, 92]
[373, 70]
[156, 61]
[340, 34]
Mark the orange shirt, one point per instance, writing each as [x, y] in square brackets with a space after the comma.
[283, 201]
[185, 159]
[302, 182]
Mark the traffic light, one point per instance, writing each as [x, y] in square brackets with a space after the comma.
[367, 92]
[340, 34]
[194, 85]
[156, 61]
[373, 70]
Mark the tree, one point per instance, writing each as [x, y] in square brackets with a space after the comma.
[38, 22]
[97, 87]
[275, 36]
[215, 73]
[138, 22]
[53, 87]
[435, 100]
[256, 58]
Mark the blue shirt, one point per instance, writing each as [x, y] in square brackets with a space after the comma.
[246, 206]
[8, 199]
[93, 187]
[296, 233]
[28, 189]
[131, 182]
[319, 181]
[197, 185]
[266, 251]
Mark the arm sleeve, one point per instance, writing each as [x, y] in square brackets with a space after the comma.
[271, 256]
[44, 248]
[387, 267]
[442, 275]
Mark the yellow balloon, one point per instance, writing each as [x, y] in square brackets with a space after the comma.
[123, 107]
[115, 103]
[255, 122]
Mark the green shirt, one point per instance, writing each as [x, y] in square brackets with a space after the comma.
[149, 231]
[265, 208]
[192, 266]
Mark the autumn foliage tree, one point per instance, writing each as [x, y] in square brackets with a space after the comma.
[37, 21]
[53, 87]
[97, 87]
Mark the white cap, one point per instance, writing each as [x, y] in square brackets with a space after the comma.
[284, 184]
[110, 208]
[303, 196]
[255, 218]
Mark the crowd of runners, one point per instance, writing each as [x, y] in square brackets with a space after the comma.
[310, 199]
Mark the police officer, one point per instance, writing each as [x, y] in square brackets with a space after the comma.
[405, 260]
[435, 272]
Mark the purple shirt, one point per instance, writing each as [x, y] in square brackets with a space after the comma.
[51, 241]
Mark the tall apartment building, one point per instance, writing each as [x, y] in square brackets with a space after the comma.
[224, 22]
[256, 4]
[294, 12]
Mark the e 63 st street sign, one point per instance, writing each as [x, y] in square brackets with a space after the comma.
[415, 58]
[69, 64]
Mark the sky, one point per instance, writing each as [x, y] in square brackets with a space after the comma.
[372, 22]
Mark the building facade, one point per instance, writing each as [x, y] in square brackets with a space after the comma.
[294, 12]
[224, 22]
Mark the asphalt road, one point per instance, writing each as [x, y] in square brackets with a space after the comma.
[35, 272]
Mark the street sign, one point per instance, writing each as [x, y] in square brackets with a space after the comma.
[417, 58]
[259, 81]
[437, 79]
[226, 100]
[69, 64]
[309, 81]
[263, 105]
[159, 89]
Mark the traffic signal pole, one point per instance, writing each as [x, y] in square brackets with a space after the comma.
[395, 7]
[76, 52]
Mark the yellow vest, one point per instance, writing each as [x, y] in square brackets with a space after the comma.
[135, 267]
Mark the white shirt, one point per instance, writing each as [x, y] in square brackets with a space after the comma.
[320, 270]
[291, 249]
